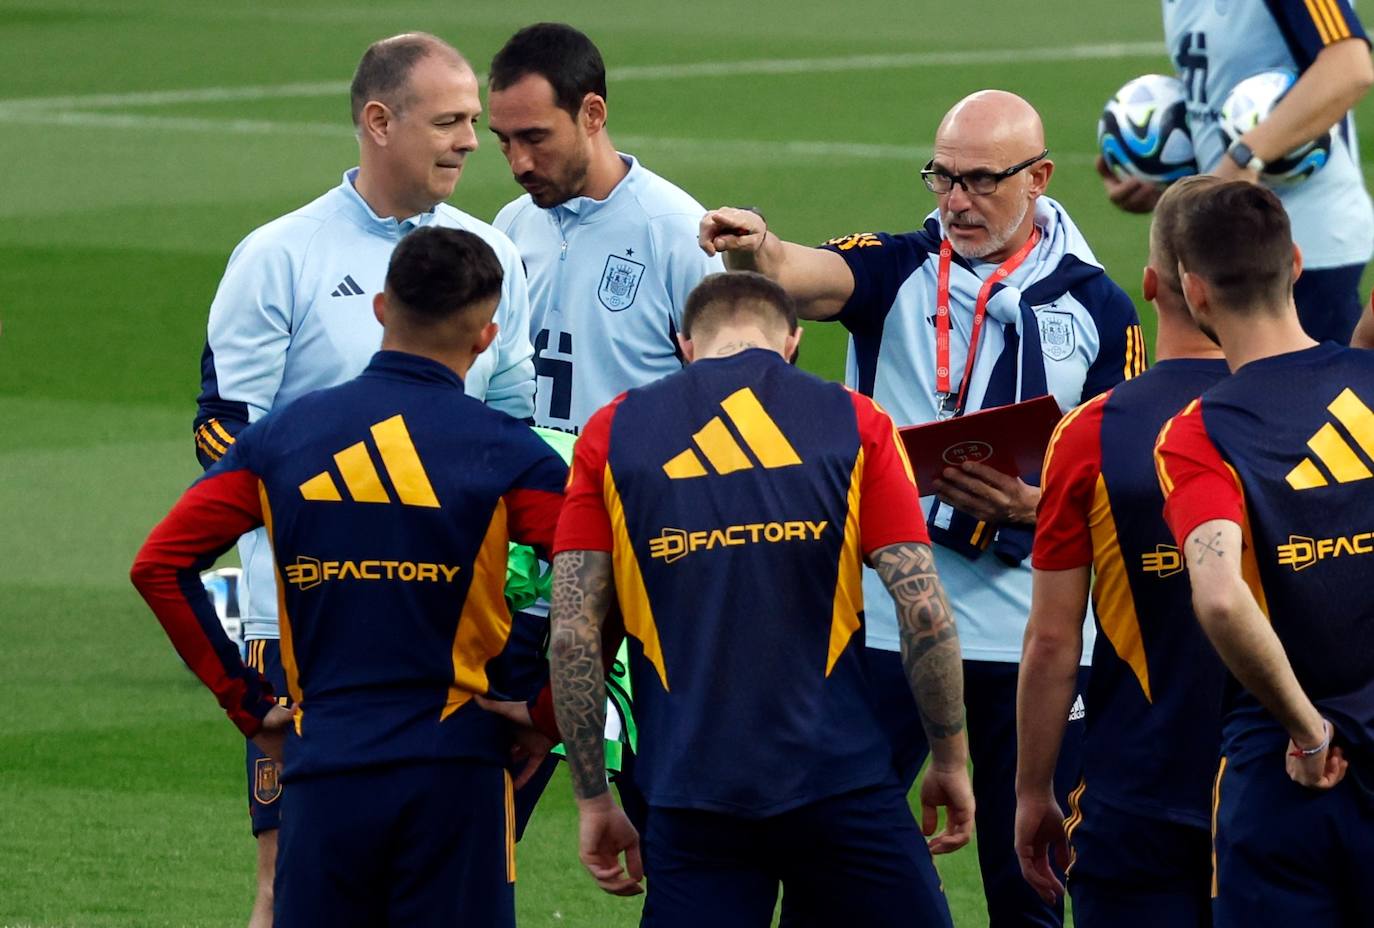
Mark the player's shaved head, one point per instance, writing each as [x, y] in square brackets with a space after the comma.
[383, 74]
[993, 119]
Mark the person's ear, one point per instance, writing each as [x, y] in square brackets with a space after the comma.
[485, 336]
[791, 345]
[684, 344]
[375, 122]
[379, 309]
[593, 113]
[1149, 284]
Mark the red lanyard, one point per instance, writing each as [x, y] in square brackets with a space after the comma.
[980, 311]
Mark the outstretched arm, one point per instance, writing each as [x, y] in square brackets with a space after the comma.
[820, 281]
[935, 672]
[582, 592]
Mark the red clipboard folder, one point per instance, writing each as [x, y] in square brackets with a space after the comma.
[1011, 439]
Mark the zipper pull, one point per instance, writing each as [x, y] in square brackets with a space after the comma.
[563, 253]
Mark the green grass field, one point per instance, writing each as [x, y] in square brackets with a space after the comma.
[141, 140]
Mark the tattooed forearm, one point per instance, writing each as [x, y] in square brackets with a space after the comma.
[582, 590]
[930, 641]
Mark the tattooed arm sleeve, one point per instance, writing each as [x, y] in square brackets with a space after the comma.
[930, 643]
[582, 592]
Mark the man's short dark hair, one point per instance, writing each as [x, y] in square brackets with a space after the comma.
[560, 54]
[384, 72]
[437, 272]
[721, 298]
[1164, 226]
[1237, 237]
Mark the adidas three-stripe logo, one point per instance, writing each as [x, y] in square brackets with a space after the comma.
[1332, 449]
[718, 445]
[349, 287]
[360, 477]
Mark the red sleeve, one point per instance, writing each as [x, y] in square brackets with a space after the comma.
[1198, 484]
[584, 524]
[532, 517]
[204, 523]
[889, 503]
[1073, 462]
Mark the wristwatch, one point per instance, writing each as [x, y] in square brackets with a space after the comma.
[1245, 157]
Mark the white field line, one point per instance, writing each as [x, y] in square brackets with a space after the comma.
[883, 62]
[694, 148]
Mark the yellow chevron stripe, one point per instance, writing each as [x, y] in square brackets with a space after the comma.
[849, 591]
[1338, 456]
[210, 440]
[1356, 417]
[361, 478]
[1340, 29]
[403, 464]
[1319, 21]
[720, 448]
[204, 446]
[1305, 476]
[758, 430]
[1216, 804]
[220, 430]
[685, 465]
[321, 489]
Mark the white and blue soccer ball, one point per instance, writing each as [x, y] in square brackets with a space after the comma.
[1143, 131]
[223, 587]
[1249, 103]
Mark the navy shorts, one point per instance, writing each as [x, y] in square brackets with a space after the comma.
[990, 701]
[419, 845]
[1329, 303]
[264, 791]
[1287, 855]
[1133, 871]
[853, 859]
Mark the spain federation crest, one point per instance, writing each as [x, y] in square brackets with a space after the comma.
[619, 283]
[1056, 335]
[266, 786]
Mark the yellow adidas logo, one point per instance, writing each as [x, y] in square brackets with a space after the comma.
[723, 453]
[1331, 448]
[360, 476]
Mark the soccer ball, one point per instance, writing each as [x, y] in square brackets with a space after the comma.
[223, 587]
[1250, 103]
[1143, 132]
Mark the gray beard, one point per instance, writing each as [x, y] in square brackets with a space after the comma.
[997, 239]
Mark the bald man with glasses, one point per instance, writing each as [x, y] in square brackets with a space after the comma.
[996, 298]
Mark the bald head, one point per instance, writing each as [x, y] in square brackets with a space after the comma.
[980, 139]
[994, 119]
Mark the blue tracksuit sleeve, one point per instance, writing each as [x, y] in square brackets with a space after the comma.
[247, 338]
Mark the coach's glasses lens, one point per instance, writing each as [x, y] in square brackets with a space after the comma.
[981, 184]
[937, 181]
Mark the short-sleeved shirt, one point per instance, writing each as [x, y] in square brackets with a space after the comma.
[739, 498]
[1215, 45]
[1155, 689]
[1090, 340]
[608, 282]
[1284, 448]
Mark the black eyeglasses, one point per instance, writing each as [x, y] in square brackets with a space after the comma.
[979, 182]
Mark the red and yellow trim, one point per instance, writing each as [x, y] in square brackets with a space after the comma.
[485, 622]
[1074, 820]
[288, 649]
[1112, 598]
[849, 592]
[1216, 805]
[629, 581]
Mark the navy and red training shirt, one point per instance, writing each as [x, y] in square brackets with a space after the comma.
[739, 498]
[1154, 696]
[390, 501]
